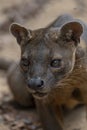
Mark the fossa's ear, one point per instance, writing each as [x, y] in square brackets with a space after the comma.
[72, 31]
[20, 33]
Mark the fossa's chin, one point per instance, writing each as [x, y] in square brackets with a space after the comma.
[39, 95]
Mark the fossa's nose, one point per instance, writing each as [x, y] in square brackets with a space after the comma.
[35, 83]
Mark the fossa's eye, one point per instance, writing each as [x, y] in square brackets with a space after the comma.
[24, 63]
[56, 63]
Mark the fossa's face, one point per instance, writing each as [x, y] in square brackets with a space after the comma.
[47, 55]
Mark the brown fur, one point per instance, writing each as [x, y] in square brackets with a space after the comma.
[65, 83]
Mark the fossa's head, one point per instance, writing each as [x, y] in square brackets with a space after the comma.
[47, 55]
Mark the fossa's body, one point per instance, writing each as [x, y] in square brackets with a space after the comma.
[53, 68]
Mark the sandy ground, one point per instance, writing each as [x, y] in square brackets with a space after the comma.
[76, 119]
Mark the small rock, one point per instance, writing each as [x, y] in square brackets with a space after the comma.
[27, 121]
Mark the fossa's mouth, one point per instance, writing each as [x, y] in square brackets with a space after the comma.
[37, 94]
[40, 95]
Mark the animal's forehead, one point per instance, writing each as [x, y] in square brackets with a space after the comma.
[45, 34]
[43, 44]
[40, 44]
[37, 51]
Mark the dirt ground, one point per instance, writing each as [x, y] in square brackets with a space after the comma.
[32, 14]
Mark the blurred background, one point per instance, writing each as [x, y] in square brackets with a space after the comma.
[31, 14]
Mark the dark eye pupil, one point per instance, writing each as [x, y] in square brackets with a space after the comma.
[56, 63]
[24, 62]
